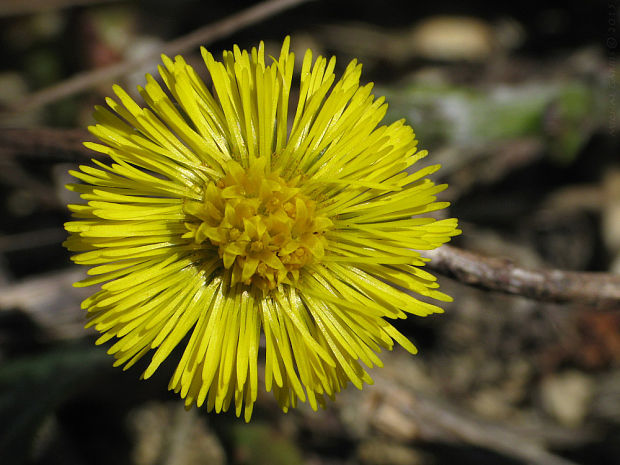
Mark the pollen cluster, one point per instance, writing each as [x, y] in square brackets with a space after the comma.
[264, 228]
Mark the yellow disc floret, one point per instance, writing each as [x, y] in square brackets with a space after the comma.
[264, 228]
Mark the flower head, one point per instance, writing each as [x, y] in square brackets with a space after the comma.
[217, 224]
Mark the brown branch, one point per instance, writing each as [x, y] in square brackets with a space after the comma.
[23, 7]
[596, 290]
[62, 144]
[201, 36]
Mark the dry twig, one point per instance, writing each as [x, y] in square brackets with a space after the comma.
[23, 7]
[201, 36]
[599, 291]
[61, 144]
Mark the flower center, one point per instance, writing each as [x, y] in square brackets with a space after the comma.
[264, 228]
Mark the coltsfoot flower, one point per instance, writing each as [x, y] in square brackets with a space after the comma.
[219, 222]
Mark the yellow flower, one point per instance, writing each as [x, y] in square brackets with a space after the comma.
[217, 221]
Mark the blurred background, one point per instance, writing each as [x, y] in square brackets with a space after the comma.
[519, 102]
